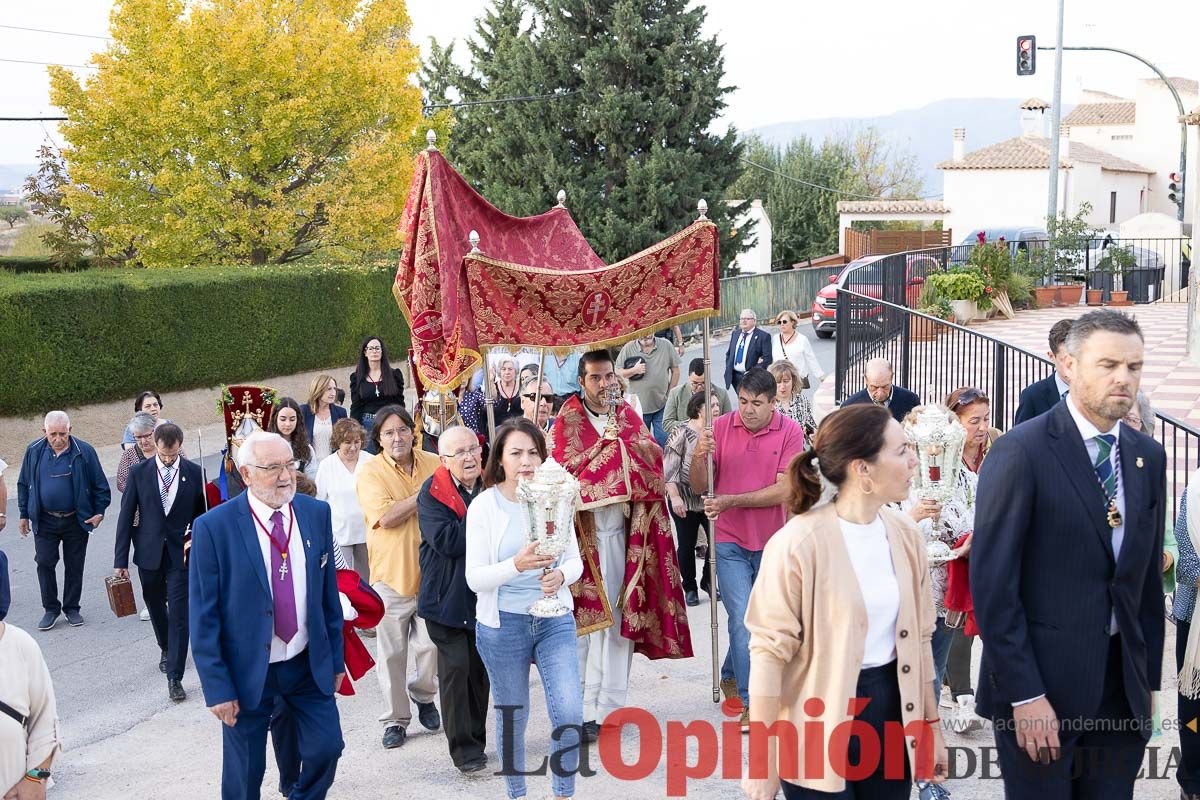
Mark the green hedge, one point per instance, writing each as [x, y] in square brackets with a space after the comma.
[105, 334]
[42, 264]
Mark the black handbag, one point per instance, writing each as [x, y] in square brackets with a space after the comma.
[632, 362]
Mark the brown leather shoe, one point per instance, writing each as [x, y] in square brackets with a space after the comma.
[728, 688]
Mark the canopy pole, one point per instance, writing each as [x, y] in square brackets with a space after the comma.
[537, 401]
[489, 397]
[712, 543]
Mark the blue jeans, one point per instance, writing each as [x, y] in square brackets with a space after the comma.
[654, 422]
[737, 569]
[507, 652]
[942, 636]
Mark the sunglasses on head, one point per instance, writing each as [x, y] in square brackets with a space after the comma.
[968, 397]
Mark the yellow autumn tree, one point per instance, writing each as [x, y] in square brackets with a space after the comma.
[253, 131]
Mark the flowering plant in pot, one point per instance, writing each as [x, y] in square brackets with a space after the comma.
[1118, 261]
[965, 288]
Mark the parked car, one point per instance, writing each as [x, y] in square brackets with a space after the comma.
[1018, 239]
[869, 276]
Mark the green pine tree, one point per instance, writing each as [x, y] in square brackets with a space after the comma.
[630, 140]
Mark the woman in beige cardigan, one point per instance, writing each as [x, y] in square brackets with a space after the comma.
[842, 609]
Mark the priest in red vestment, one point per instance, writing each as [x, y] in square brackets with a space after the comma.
[630, 572]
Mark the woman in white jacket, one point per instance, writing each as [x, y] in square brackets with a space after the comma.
[791, 345]
[507, 577]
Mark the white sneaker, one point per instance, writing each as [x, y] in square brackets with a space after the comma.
[965, 714]
[947, 699]
[145, 615]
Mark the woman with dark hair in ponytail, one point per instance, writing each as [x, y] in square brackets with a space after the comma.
[842, 609]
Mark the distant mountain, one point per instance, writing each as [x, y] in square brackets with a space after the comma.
[926, 131]
[12, 176]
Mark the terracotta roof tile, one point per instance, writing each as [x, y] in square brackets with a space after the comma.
[1033, 152]
[892, 207]
[1102, 114]
[1034, 104]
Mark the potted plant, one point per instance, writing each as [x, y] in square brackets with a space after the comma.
[1064, 259]
[921, 329]
[965, 289]
[994, 263]
[1118, 261]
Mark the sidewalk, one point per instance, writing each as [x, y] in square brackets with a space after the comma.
[1172, 385]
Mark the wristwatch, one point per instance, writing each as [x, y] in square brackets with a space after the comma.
[38, 775]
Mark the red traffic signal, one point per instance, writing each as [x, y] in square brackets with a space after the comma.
[1175, 188]
[1026, 55]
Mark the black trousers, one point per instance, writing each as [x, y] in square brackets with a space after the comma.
[1093, 765]
[688, 530]
[463, 690]
[879, 685]
[1188, 773]
[53, 532]
[958, 664]
[165, 591]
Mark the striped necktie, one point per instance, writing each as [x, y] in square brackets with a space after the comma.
[164, 485]
[1103, 465]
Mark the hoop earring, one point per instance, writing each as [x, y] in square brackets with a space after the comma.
[868, 486]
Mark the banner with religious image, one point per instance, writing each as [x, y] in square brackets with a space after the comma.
[534, 281]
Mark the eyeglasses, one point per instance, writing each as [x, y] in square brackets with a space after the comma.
[278, 469]
[143, 436]
[533, 396]
[469, 451]
[784, 321]
[970, 396]
[373, 348]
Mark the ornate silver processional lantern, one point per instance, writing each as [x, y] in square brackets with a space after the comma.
[550, 500]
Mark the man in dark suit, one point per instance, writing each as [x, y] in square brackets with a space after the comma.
[749, 347]
[882, 392]
[1038, 398]
[266, 621]
[1066, 579]
[163, 497]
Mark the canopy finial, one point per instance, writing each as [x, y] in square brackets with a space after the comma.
[474, 239]
[702, 207]
[562, 198]
[431, 138]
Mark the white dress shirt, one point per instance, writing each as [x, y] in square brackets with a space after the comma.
[281, 650]
[336, 485]
[173, 489]
[739, 364]
[1062, 386]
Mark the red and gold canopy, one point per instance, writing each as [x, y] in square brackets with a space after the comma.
[533, 282]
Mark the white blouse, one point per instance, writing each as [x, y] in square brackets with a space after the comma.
[322, 433]
[800, 353]
[336, 486]
[871, 557]
[25, 685]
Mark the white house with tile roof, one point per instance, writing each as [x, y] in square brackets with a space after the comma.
[1144, 129]
[1005, 184]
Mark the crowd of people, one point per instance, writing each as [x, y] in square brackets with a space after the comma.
[841, 576]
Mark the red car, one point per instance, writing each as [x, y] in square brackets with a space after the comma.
[869, 281]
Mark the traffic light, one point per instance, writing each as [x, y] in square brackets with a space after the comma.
[1026, 55]
[1175, 188]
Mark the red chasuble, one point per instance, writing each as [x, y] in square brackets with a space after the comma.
[627, 469]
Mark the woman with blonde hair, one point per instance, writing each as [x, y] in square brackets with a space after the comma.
[790, 399]
[321, 413]
[792, 346]
[841, 610]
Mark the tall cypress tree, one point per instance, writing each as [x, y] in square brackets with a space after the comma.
[632, 138]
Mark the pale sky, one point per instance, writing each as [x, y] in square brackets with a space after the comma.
[789, 60]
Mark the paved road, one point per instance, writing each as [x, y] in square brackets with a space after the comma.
[125, 739]
[823, 348]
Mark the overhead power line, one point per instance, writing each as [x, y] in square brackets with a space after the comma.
[33, 119]
[48, 63]
[56, 33]
[809, 183]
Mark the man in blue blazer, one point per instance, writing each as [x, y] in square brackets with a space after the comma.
[266, 620]
[163, 497]
[1066, 578]
[749, 347]
[1038, 398]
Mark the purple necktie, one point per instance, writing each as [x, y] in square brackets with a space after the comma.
[283, 592]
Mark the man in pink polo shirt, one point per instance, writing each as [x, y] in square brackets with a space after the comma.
[751, 448]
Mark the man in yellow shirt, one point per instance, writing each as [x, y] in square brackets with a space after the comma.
[387, 488]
